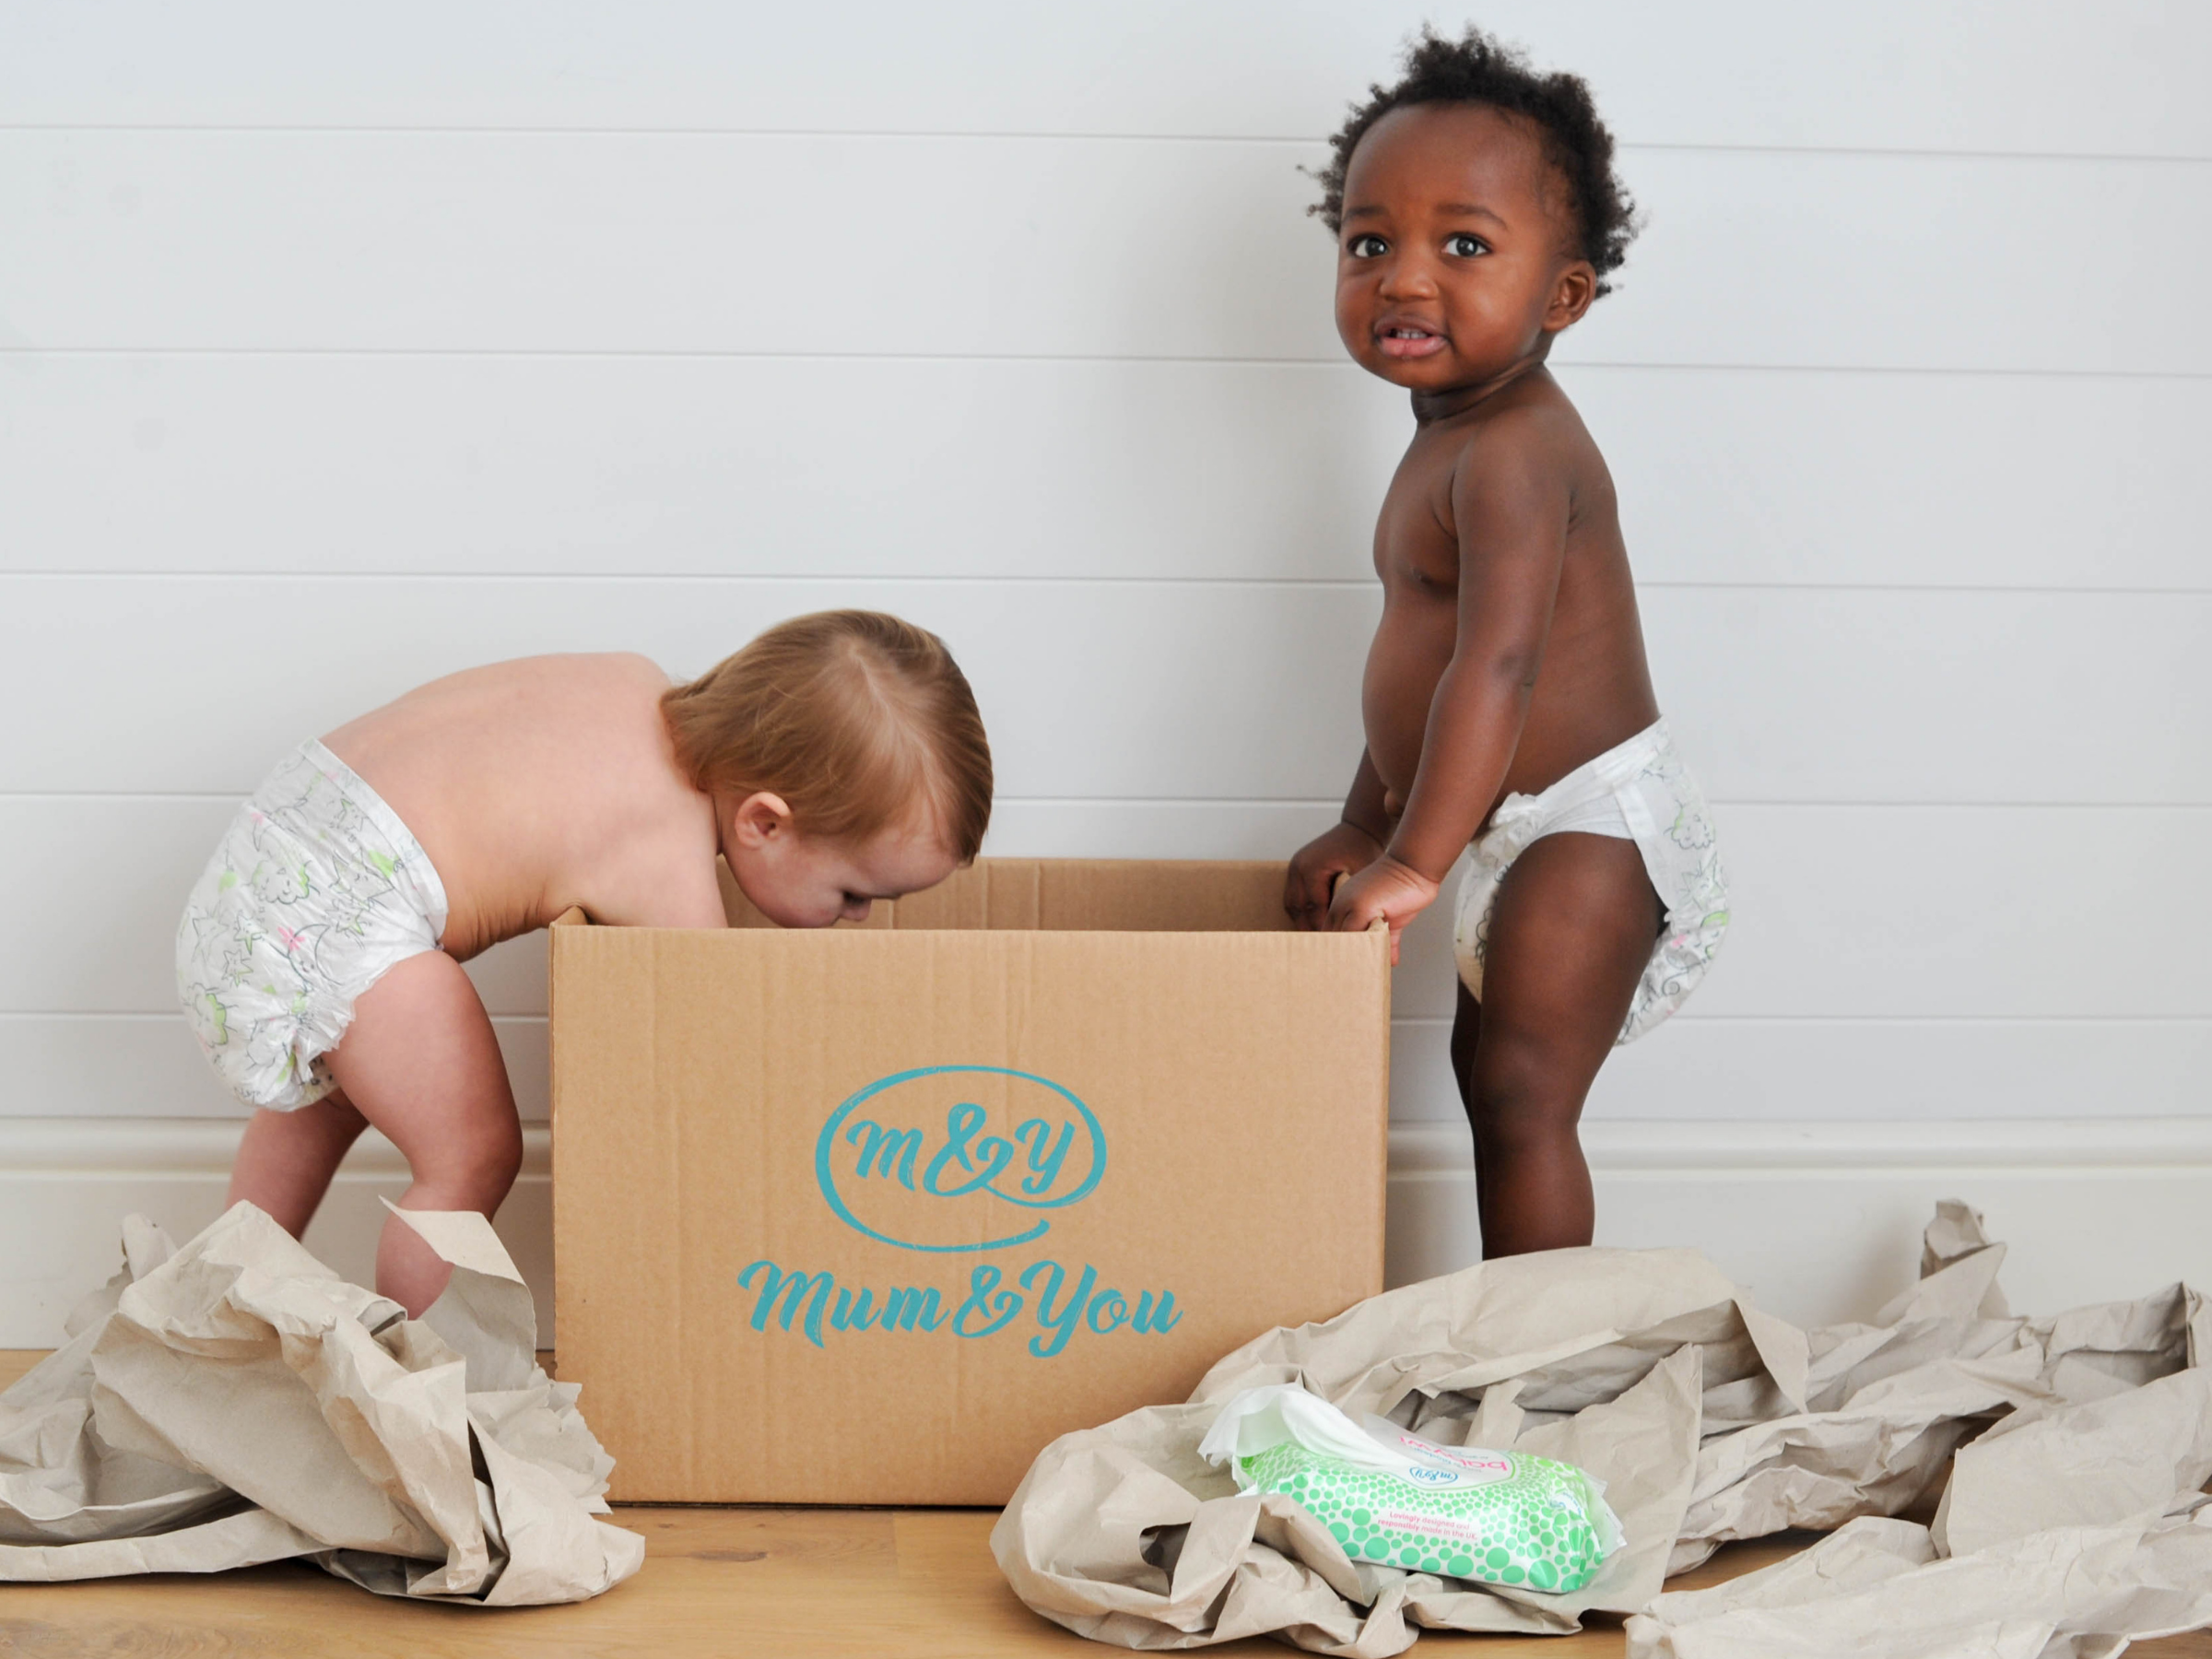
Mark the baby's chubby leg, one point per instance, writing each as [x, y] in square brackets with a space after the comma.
[419, 1062]
[1571, 932]
[286, 1158]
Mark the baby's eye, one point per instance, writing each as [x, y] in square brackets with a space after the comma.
[1368, 246]
[1460, 245]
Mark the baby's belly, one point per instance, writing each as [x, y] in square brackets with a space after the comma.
[1587, 700]
[1403, 669]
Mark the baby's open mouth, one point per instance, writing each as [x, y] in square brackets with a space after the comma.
[1408, 340]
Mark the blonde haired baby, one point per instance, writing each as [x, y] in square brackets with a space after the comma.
[837, 759]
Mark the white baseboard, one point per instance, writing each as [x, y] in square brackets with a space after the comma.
[1822, 1219]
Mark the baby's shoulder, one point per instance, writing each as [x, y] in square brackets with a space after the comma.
[632, 666]
[616, 694]
[591, 708]
[1534, 415]
[1532, 441]
[597, 696]
[627, 669]
[524, 682]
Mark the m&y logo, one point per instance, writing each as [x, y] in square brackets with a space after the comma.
[950, 1161]
[890, 1134]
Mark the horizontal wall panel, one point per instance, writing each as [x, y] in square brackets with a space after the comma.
[1031, 248]
[962, 467]
[105, 888]
[694, 466]
[1903, 912]
[1882, 912]
[1937, 696]
[1117, 689]
[123, 1065]
[1855, 1070]
[849, 246]
[2048, 74]
[1909, 480]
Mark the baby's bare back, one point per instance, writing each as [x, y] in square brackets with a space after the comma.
[542, 783]
[1592, 687]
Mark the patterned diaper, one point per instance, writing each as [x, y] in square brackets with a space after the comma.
[316, 889]
[1639, 792]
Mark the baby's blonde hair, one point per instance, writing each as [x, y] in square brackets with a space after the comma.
[853, 717]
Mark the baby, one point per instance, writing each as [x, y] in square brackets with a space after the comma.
[1506, 697]
[837, 759]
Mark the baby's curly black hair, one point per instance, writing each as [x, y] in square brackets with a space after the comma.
[1480, 70]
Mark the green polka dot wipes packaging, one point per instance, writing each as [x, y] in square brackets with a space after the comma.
[1395, 1499]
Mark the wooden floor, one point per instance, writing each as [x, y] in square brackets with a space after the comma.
[787, 1583]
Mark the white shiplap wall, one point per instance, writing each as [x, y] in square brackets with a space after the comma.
[340, 350]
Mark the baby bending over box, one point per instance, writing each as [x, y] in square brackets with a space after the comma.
[837, 759]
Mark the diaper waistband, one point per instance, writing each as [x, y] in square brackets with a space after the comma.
[1601, 776]
[281, 796]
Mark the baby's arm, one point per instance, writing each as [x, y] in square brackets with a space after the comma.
[686, 897]
[669, 877]
[668, 909]
[1509, 505]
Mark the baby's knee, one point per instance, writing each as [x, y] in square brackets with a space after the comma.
[1518, 1099]
[474, 1170]
[500, 1159]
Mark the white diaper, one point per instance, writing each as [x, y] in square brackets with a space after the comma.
[316, 889]
[1639, 792]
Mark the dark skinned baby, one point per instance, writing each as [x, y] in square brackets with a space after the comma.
[1507, 701]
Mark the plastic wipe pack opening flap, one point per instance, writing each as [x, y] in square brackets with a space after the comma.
[1391, 1497]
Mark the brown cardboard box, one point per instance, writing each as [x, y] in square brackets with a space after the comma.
[870, 1215]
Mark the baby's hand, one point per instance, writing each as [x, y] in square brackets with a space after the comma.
[1394, 892]
[1336, 851]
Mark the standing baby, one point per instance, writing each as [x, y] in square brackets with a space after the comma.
[1506, 699]
[837, 759]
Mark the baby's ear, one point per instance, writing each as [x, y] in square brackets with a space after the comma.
[761, 817]
[1571, 292]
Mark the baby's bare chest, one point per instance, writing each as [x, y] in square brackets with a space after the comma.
[1417, 542]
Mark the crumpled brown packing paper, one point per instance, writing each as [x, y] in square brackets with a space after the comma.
[235, 1402]
[1708, 1421]
[1877, 1588]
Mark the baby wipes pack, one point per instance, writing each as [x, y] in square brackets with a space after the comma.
[1396, 1499]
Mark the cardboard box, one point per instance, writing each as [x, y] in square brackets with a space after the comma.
[870, 1215]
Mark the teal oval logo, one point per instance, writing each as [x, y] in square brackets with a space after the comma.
[926, 1160]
